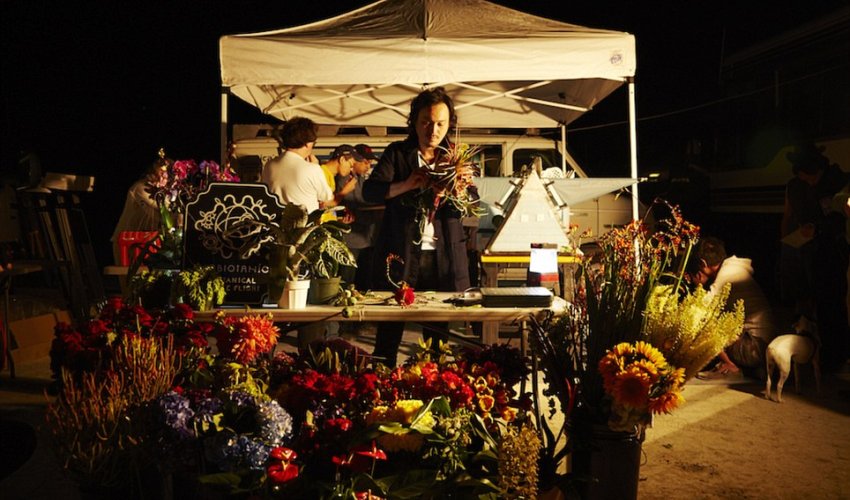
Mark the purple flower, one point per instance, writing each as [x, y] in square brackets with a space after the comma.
[241, 399]
[206, 410]
[239, 452]
[275, 423]
[176, 413]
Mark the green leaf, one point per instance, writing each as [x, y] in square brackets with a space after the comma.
[221, 479]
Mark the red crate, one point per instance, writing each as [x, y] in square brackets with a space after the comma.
[130, 244]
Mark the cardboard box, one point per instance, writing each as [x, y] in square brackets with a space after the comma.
[33, 336]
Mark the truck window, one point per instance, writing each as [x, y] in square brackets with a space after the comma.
[490, 160]
[538, 158]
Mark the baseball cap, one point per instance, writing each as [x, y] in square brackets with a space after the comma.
[365, 151]
[346, 150]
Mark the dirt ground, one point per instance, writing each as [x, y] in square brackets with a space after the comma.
[728, 441]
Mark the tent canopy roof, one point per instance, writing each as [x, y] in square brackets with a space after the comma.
[503, 68]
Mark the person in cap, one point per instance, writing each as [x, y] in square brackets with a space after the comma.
[364, 218]
[342, 161]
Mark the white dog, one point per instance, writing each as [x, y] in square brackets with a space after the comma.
[798, 348]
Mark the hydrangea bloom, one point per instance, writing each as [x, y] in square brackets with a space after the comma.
[176, 413]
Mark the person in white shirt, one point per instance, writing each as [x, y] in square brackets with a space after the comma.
[295, 176]
[759, 328]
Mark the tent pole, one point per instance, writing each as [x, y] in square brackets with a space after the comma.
[564, 149]
[223, 150]
[633, 147]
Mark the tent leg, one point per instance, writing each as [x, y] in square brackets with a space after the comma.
[633, 147]
[564, 149]
[223, 150]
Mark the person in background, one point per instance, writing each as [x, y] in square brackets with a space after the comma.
[825, 257]
[295, 175]
[140, 213]
[338, 168]
[716, 270]
[364, 218]
[439, 260]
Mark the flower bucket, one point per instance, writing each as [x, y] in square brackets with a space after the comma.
[605, 463]
[323, 290]
[294, 295]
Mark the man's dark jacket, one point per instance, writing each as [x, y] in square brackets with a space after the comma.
[400, 230]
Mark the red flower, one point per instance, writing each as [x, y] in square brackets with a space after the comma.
[404, 295]
[183, 311]
[371, 451]
[283, 472]
[283, 453]
[342, 424]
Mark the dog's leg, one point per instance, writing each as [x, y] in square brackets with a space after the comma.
[769, 368]
[784, 370]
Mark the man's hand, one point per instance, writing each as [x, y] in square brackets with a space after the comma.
[349, 186]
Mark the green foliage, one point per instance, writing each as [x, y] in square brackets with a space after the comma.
[201, 287]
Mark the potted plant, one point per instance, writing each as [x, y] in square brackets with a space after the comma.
[297, 243]
[325, 261]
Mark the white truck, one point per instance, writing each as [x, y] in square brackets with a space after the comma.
[501, 155]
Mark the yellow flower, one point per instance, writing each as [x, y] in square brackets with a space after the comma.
[677, 376]
[405, 410]
[623, 349]
[666, 402]
[486, 402]
[631, 387]
[648, 367]
[609, 366]
[652, 354]
[378, 414]
[509, 414]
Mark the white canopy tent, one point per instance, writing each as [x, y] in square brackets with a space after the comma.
[503, 68]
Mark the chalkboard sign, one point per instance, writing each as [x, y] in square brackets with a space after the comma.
[209, 237]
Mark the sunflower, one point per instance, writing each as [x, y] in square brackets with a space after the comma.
[666, 403]
[631, 387]
[647, 367]
[650, 353]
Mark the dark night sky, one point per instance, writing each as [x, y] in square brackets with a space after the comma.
[97, 87]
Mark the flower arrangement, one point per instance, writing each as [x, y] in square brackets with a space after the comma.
[244, 338]
[450, 184]
[634, 333]
[319, 423]
[173, 185]
[640, 383]
[89, 346]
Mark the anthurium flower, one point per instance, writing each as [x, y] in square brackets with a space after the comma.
[283, 453]
[371, 451]
[367, 495]
[283, 472]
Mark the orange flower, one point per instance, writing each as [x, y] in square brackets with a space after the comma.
[666, 402]
[631, 387]
[508, 414]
